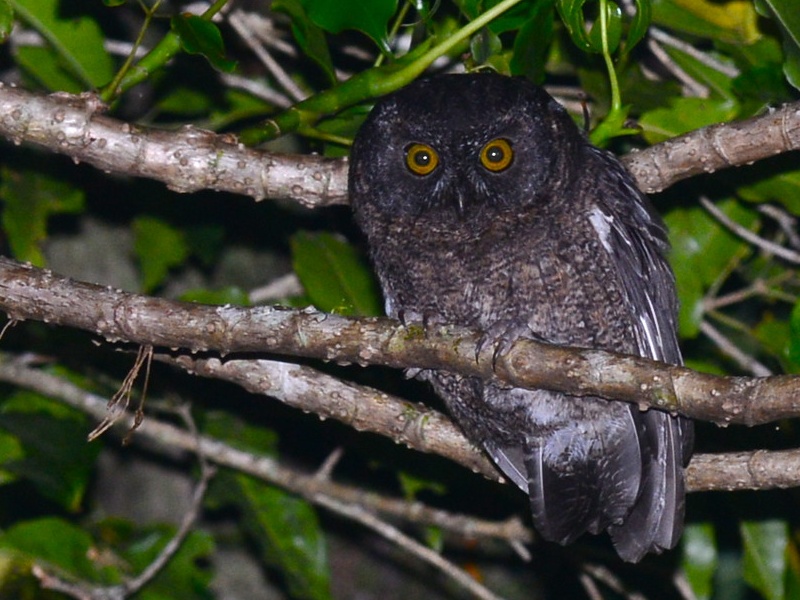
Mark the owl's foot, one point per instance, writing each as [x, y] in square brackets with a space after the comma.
[503, 334]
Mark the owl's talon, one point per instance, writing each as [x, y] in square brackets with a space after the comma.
[503, 335]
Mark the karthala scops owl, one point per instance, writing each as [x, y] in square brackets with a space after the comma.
[484, 205]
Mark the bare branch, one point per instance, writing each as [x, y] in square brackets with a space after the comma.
[748, 236]
[30, 293]
[360, 407]
[309, 486]
[190, 159]
[187, 160]
[716, 147]
[412, 546]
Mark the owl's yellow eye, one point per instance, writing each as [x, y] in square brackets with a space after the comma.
[497, 155]
[421, 159]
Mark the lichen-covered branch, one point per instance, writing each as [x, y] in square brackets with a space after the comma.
[30, 293]
[191, 159]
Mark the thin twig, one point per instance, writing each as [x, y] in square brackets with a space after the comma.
[669, 40]
[749, 236]
[746, 362]
[409, 544]
[786, 221]
[189, 519]
[691, 86]
[279, 288]
[238, 21]
[85, 591]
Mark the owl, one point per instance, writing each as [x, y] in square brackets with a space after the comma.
[484, 205]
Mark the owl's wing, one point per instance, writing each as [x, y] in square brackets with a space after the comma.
[636, 241]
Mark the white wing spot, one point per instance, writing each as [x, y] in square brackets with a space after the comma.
[602, 225]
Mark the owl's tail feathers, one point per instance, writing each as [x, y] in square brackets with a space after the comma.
[656, 521]
[581, 480]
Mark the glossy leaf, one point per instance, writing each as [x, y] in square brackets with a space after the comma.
[786, 13]
[228, 295]
[532, 42]
[199, 36]
[764, 564]
[309, 36]
[29, 200]
[780, 187]
[56, 457]
[683, 115]
[288, 531]
[701, 250]
[54, 542]
[732, 21]
[793, 349]
[719, 83]
[336, 16]
[6, 20]
[334, 274]
[159, 248]
[74, 59]
[571, 12]
[185, 576]
[639, 24]
[700, 559]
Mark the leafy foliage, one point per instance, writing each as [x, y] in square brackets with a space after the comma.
[644, 71]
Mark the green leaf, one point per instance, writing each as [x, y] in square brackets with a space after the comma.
[75, 58]
[336, 16]
[159, 247]
[229, 295]
[718, 82]
[613, 29]
[733, 21]
[52, 541]
[699, 560]
[777, 337]
[6, 20]
[56, 458]
[199, 36]
[764, 564]
[794, 336]
[571, 12]
[788, 17]
[532, 42]
[11, 451]
[334, 274]
[186, 102]
[185, 576]
[685, 114]
[702, 249]
[782, 187]
[309, 36]
[289, 533]
[639, 24]
[29, 199]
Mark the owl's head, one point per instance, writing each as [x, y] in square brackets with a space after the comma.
[463, 147]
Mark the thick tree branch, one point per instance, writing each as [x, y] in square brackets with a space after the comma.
[716, 147]
[187, 160]
[190, 159]
[30, 293]
[360, 407]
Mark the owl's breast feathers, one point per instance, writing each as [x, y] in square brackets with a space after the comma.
[581, 263]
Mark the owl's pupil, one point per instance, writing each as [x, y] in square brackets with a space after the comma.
[495, 154]
[422, 158]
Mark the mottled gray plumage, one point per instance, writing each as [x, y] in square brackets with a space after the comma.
[555, 244]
